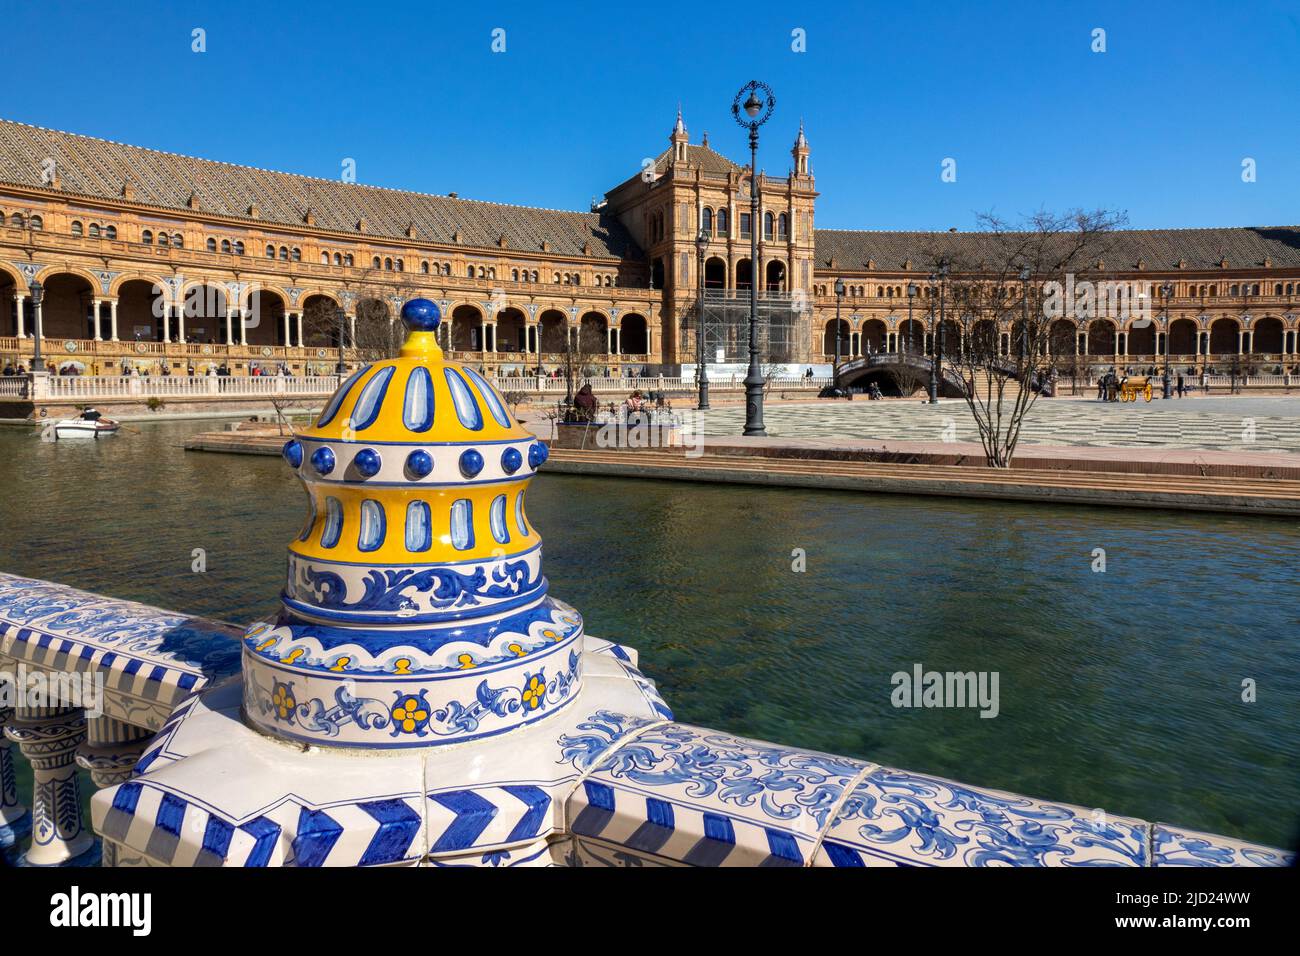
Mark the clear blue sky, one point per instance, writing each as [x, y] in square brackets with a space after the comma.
[1158, 125]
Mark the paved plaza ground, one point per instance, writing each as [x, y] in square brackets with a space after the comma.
[1215, 423]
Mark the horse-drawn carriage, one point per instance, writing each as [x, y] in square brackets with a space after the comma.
[1131, 388]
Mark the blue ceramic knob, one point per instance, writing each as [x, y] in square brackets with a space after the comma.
[537, 454]
[419, 463]
[292, 452]
[367, 462]
[511, 460]
[471, 463]
[421, 315]
[322, 459]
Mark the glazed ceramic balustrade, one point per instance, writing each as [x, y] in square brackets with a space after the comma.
[131, 663]
[421, 699]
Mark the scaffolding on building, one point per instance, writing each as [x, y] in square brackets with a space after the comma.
[782, 334]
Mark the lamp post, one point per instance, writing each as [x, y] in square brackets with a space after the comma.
[701, 357]
[1024, 322]
[38, 293]
[839, 297]
[341, 369]
[753, 107]
[1167, 290]
[937, 365]
[911, 297]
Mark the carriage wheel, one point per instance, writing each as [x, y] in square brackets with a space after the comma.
[1148, 393]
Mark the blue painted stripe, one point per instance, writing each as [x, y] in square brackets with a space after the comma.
[718, 842]
[146, 761]
[538, 802]
[398, 825]
[187, 681]
[132, 667]
[318, 832]
[265, 834]
[171, 812]
[784, 848]
[127, 796]
[158, 673]
[657, 829]
[473, 814]
[599, 794]
[842, 855]
[217, 836]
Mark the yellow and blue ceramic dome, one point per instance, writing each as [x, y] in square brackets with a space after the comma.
[416, 610]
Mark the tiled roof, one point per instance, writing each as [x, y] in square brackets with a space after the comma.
[1244, 247]
[99, 168]
[702, 156]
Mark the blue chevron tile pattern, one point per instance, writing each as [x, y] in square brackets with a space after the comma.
[461, 820]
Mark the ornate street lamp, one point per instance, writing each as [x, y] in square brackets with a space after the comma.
[341, 317]
[1024, 325]
[911, 297]
[38, 293]
[753, 107]
[701, 357]
[839, 297]
[937, 365]
[1167, 290]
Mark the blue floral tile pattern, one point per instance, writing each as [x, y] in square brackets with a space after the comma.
[1172, 847]
[896, 818]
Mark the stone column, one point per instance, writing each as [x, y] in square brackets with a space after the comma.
[352, 331]
[48, 737]
[95, 306]
[287, 340]
[180, 324]
[609, 341]
[21, 327]
[243, 328]
[15, 821]
[230, 334]
[112, 318]
[1241, 340]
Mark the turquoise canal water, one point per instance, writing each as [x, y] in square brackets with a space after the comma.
[1118, 690]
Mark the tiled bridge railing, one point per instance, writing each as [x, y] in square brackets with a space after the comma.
[632, 790]
[133, 662]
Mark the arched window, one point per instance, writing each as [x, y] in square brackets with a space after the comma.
[723, 223]
[270, 252]
[93, 231]
[37, 222]
[324, 258]
[338, 259]
[388, 265]
[1254, 289]
[163, 240]
[178, 240]
[111, 232]
[782, 226]
[211, 244]
[767, 225]
[297, 254]
[376, 263]
[401, 266]
[514, 275]
[239, 247]
[492, 272]
[284, 253]
[1233, 289]
[424, 267]
[16, 220]
[706, 220]
[1277, 289]
[77, 228]
[469, 272]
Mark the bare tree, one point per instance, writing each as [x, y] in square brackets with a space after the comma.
[377, 297]
[998, 301]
